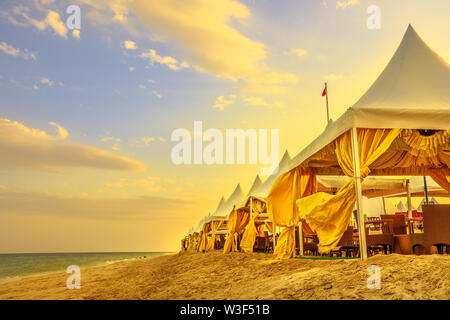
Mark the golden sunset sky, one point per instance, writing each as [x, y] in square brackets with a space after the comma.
[86, 115]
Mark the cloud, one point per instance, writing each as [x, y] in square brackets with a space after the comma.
[139, 208]
[129, 45]
[34, 149]
[157, 94]
[147, 140]
[53, 20]
[76, 34]
[46, 81]
[222, 102]
[346, 3]
[204, 33]
[153, 57]
[299, 52]
[15, 52]
[255, 101]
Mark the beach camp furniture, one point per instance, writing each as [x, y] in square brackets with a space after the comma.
[255, 204]
[399, 127]
[347, 246]
[385, 238]
[400, 225]
[219, 219]
[436, 224]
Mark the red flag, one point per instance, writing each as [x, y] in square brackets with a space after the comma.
[324, 92]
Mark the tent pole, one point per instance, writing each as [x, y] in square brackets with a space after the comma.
[358, 190]
[425, 189]
[408, 194]
[300, 237]
[251, 207]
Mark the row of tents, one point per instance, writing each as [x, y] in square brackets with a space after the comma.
[383, 146]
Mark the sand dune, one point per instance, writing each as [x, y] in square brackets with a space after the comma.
[244, 276]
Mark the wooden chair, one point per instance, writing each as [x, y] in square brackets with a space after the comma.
[310, 242]
[347, 244]
[400, 225]
[385, 239]
[375, 226]
[436, 223]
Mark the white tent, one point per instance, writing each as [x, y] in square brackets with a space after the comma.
[255, 185]
[262, 192]
[224, 210]
[411, 93]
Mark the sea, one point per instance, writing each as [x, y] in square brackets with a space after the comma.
[14, 266]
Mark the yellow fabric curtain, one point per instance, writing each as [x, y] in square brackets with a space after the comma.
[250, 233]
[269, 226]
[329, 215]
[237, 221]
[232, 223]
[281, 206]
[204, 241]
[442, 177]
[215, 226]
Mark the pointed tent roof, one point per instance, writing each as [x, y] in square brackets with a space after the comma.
[226, 208]
[256, 184]
[411, 93]
[263, 191]
[221, 203]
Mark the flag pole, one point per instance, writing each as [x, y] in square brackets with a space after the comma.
[326, 94]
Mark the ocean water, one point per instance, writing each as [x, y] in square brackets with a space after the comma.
[16, 265]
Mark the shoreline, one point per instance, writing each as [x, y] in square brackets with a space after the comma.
[9, 279]
[249, 276]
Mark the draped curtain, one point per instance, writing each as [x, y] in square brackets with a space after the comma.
[237, 220]
[329, 215]
[215, 226]
[204, 240]
[281, 207]
[251, 231]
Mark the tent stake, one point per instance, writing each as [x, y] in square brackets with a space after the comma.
[358, 191]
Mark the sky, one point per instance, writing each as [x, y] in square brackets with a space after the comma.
[86, 115]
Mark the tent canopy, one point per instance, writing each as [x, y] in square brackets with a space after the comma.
[263, 191]
[224, 210]
[412, 92]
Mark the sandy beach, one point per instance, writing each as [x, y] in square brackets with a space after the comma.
[244, 276]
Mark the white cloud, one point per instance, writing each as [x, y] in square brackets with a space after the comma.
[147, 140]
[15, 52]
[46, 81]
[53, 20]
[346, 3]
[298, 51]
[223, 102]
[153, 57]
[76, 34]
[129, 45]
[157, 94]
[34, 149]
